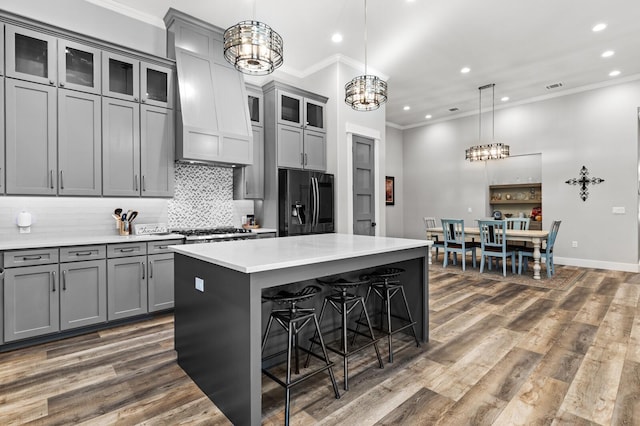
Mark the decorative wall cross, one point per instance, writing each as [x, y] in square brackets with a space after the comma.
[583, 181]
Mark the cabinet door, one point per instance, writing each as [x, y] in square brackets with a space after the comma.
[315, 150]
[2, 137]
[126, 287]
[2, 50]
[30, 55]
[290, 146]
[289, 109]
[120, 147]
[254, 174]
[157, 85]
[120, 77]
[30, 138]
[79, 67]
[79, 143]
[83, 293]
[31, 305]
[157, 148]
[255, 101]
[160, 282]
[314, 115]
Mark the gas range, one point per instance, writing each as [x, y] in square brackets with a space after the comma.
[206, 235]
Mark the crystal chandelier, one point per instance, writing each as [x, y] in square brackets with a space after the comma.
[492, 151]
[365, 92]
[252, 47]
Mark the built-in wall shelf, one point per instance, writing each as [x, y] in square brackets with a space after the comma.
[513, 199]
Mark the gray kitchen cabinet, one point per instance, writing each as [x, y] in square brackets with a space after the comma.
[126, 287]
[265, 235]
[315, 150]
[248, 181]
[31, 306]
[299, 148]
[157, 85]
[31, 127]
[120, 77]
[120, 147]
[83, 293]
[255, 102]
[2, 136]
[30, 55]
[79, 67]
[2, 53]
[160, 281]
[79, 143]
[157, 150]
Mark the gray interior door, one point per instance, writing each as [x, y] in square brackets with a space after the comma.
[363, 187]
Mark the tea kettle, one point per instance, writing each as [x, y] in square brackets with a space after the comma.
[497, 214]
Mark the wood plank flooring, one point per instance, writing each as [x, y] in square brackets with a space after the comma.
[499, 354]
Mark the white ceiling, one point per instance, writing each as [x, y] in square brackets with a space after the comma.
[421, 45]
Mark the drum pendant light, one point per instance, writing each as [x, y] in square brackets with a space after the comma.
[252, 47]
[365, 92]
[493, 150]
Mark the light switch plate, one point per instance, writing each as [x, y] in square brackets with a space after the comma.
[618, 210]
[200, 284]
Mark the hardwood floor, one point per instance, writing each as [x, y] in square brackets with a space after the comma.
[500, 353]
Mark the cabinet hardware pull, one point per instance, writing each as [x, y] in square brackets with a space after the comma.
[62, 84]
[305, 159]
[31, 257]
[53, 280]
[0, 168]
[135, 182]
[83, 253]
[135, 98]
[61, 181]
[51, 82]
[246, 187]
[151, 269]
[163, 247]
[126, 250]
[143, 274]
[51, 177]
[302, 159]
[64, 280]
[144, 185]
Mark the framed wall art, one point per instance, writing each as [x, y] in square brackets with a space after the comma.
[389, 190]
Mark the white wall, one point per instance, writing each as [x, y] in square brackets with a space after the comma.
[596, 128]
[393, 166]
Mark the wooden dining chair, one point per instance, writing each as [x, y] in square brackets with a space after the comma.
[493, 243]
[454, 242]
[430, 222]
[546, 255]
[520, 223]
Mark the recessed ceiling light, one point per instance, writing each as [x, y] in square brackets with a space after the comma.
[406, 108]
[614, 73]
[465, 70]
[428, 116]
[336, 38]
[599, 27]
[504, 98]
[608, 54]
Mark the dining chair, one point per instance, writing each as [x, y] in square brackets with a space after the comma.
[430, 222]
[493, 243]
[454, 242]
[520, 223]
[546, 254]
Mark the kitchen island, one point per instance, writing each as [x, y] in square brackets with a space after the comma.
[218, 302]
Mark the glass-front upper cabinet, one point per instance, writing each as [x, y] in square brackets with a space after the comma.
[314, 115]
[78, 67]
[255, 103]
[120, 77]
[157, 85]
[289, 109]
[30, 55]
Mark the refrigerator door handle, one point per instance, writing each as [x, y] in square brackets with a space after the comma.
[316, 206]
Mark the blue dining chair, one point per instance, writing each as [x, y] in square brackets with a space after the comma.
[454, 242]
[520, 223]
[546, 255]
[493, 243]
[430, 222]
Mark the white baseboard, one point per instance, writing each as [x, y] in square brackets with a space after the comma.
[597, 264]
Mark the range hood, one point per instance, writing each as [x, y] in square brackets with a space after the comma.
[212, 117]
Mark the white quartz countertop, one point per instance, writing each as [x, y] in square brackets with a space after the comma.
[27, 241]
[267, 254]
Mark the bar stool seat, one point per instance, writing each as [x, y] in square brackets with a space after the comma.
[293, 319]
[385, 284]
[344, 301]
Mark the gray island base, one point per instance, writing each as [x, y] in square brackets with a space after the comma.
[219, 311]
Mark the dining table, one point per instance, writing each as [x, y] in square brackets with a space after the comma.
[535, 237]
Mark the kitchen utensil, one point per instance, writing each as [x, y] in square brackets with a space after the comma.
[124, 217]
[117, 212]
[115, 216]
[132, 216]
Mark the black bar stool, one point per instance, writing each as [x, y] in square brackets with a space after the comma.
[344, 303]
[385, 284]
[293, 319]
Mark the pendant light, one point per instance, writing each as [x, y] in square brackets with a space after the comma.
[252, 47]
[493, 150]
[365, 92]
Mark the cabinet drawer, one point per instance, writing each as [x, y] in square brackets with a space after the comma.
[77, 253]
[31, 257]
[157, 247]
[126, 249]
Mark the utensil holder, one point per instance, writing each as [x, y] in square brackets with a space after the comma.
[123, 227]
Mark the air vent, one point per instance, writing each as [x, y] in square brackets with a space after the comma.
[554, 86]
[454, 109]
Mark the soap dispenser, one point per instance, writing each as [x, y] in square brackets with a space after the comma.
[24, 221]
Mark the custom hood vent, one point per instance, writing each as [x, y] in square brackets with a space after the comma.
[212, 118]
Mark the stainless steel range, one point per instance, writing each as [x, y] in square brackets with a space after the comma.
[212, 235]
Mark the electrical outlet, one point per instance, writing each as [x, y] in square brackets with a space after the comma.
[618, 210]
[470, 210]
[200, 284]
[574, 244]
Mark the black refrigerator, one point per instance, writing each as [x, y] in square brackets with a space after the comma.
[305, 202]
